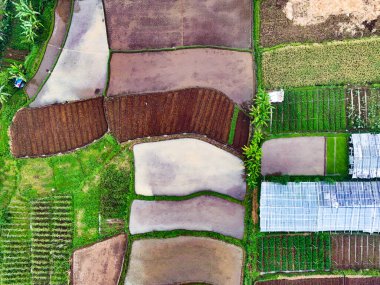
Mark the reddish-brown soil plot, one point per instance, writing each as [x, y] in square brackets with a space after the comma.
[228, 71]
[144, 24]
[57, 128]
[355, 251]
[276, 28]
[195, 110]
[324, 281]
[99, 264]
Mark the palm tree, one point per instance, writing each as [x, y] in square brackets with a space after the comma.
[3, 95]
[29, 20]
[16, 71]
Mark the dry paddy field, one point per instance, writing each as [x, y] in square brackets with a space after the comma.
[183, 260]
[81, 70]
[53, 49]
[57, 128]
[205, 213]
[230, 72]
[152, 24]
[196, 110]
[286, 21]
[294, 156]
[99, 264]
[355, 251]
[184, 166]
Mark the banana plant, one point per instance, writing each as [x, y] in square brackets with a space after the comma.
[3, 95]
[16, 71]
[29, 20]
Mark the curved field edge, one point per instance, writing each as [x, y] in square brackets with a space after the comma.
[331, 63]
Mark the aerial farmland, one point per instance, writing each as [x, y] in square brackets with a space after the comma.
[222, 142]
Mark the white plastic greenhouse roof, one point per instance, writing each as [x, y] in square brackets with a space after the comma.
[320, 206]
[365, 156]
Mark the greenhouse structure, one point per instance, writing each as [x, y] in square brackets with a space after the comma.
[365, 156]
[320, 206]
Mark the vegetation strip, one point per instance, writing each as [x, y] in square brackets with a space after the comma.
[353, 61]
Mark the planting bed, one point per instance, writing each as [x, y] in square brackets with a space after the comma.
[328, 280]
[58, 128]
[312, 22]
[169, 23]
[184, 166]
[294, 156]
[53, 48]
[183, 260]
[81, 70]
[205, 213]
[355, 251]
[279, 253]
[230, 72]
[100, 263]
[310, 110]
[363, 108]
[196, 110]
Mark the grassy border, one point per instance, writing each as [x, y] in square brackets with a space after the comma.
[231, 135]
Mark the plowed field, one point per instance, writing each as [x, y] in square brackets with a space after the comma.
[195, 110]
[355, 251]
[57, 128]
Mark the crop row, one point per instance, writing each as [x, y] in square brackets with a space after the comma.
[287, 253]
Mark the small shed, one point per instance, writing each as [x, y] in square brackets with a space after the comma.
[276, 96]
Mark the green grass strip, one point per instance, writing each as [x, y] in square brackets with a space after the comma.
[231, 136]
[337, 156]
[338, 62]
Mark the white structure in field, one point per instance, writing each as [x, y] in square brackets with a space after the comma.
[277, 96]
[365, 156]
[320, 206]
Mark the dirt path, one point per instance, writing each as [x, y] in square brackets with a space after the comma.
[53, 49]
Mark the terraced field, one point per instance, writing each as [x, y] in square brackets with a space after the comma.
[58, 128]
[184, 260]
[196, 110]
[168, 23]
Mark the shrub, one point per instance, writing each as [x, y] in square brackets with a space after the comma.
[29, 20]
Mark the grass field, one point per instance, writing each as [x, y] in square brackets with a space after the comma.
[319, 109]
[333, 63]
[337, 155]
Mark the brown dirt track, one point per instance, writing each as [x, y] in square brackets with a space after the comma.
[100, 263]
[355, 251]
[143, 24]
[57, 128]
[194, 110]
[324, 281]
[276, 28]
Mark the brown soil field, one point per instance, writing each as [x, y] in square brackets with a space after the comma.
[195, 110]
[230, 72]
[99, 264]
[57, 128]
[324, 281]
[277, 28]
[294, 156]
[355, 251]
[150, 24]
[184, 260]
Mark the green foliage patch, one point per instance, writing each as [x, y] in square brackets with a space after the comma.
[337, 155]
[332, 63]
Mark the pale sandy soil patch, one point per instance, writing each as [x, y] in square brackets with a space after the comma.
[205, 213]
[184, 260]
[184, 166]
[312, 12]
[101, 263]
